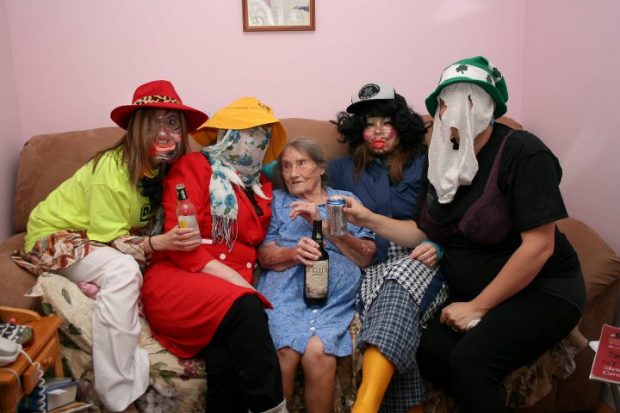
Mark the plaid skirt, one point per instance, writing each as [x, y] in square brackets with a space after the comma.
[397, 296]
[426, 285]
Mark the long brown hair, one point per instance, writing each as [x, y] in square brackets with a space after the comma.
[136, 144]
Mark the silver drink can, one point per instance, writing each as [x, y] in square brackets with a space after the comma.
[336, 219]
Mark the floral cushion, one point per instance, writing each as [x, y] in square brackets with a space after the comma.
[176, 385]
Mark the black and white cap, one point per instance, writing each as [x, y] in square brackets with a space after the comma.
[370, 91]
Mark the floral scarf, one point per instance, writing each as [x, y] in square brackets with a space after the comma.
[236, 158]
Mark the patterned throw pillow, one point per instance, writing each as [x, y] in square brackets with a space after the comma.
[63, 297]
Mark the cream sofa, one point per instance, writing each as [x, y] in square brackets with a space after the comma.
[178, 385]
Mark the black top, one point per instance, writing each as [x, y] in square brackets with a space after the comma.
[528, 178]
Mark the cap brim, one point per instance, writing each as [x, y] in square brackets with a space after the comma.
[359, 106]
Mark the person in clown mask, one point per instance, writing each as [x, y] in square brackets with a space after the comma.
[492, 200]
[402, 288]
[202, 302]
[94, 229]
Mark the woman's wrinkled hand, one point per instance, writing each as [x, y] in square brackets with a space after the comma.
[307, 210]
[426, 253]
[356, 213]
[307, 251]
[177, 239]
[461, 316]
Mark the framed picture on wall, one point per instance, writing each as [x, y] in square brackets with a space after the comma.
[277, 15]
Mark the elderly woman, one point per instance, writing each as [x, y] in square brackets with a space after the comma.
[310, 336]
[203, 301]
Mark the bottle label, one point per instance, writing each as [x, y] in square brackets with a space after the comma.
[188, 221]
[317, 280]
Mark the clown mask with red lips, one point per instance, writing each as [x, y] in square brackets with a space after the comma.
[167, 139]
[380, 136]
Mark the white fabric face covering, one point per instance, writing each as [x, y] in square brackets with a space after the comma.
[469, 111]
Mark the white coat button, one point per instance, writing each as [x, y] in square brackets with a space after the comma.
[312, 328]
[249, 265]
[222, 256]
[314, 311]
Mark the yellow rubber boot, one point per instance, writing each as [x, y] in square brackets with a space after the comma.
[377, 371]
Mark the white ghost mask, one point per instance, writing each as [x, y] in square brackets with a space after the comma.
[469, 110]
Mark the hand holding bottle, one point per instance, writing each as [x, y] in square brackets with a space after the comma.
[307, 251]
[177, 239]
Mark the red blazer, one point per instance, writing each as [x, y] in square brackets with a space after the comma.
[183, 305]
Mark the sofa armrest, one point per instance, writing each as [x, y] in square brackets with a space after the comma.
[15, 281]
[599, 263]
[601, 272]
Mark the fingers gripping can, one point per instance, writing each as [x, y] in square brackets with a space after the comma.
[336, 219]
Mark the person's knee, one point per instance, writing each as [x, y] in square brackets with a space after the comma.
[315, 357]
[469, 369]
[315, 348]
[248, 304]
[123, 270]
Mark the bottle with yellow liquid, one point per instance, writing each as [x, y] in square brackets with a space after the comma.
[186, 213]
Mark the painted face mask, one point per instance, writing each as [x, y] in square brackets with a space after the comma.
[452, 161]
[166, 143]
[380, 135]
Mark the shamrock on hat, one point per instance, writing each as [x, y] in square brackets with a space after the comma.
[477, 70]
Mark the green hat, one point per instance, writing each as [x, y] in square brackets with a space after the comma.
[476, 70]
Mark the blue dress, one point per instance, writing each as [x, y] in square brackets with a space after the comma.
[291, 322]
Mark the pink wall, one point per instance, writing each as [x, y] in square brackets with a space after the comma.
[10, 134]
[73, 61]
[572, 63]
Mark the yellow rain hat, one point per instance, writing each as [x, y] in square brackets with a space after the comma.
[244, 113]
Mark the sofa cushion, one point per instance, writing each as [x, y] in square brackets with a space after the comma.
[18, 280]
[322, 132]
[176, 385]
[47, 160]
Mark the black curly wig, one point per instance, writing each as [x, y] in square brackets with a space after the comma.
[406, 121]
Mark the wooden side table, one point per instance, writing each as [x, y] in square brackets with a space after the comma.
[44, 348]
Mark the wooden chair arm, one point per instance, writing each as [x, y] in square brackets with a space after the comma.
[21, 315]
